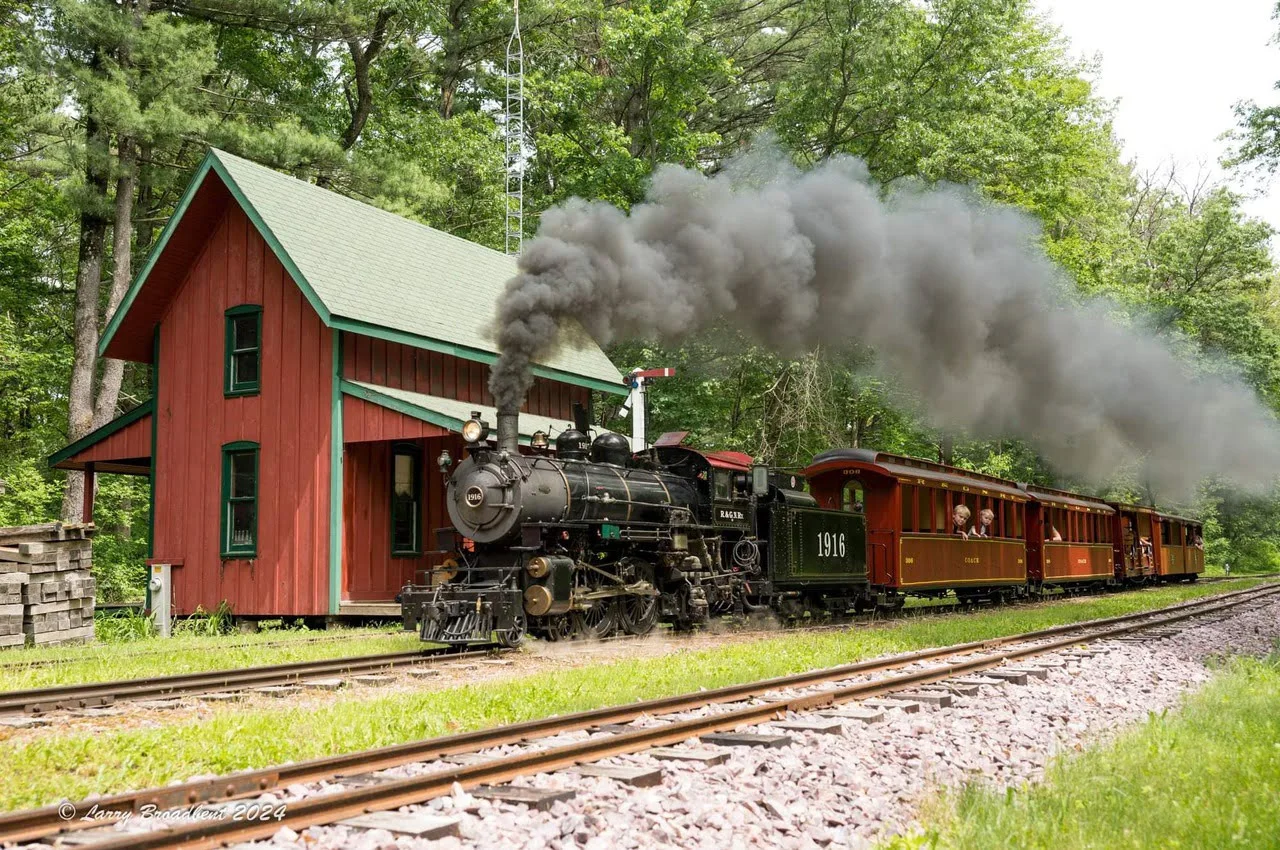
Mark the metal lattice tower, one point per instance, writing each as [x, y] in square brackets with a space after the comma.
[514, 131]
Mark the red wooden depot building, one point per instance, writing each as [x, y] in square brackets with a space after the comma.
[311, 357]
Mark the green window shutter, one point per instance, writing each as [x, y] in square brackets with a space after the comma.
[406, 500]
[239, 523]
[242, 364]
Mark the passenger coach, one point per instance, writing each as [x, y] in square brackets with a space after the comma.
[930, 528]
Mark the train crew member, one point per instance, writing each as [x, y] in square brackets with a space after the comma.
[960, 518]
[986, 519]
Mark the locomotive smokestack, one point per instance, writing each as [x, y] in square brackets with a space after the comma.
[509, 429]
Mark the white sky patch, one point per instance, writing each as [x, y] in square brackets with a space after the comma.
[1177, 67]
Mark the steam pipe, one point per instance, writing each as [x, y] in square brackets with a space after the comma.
[508, 430]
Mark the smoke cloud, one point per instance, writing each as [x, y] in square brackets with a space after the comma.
[954, 295]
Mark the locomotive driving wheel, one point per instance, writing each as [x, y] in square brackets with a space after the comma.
[559, 628]
[598, 621]
[637, 613]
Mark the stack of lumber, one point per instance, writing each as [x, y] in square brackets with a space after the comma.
[46, 590]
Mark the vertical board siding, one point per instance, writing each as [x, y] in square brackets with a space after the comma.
[289, 419]
[132, 441]
[366, 422]
[370, 573]
[403, 367]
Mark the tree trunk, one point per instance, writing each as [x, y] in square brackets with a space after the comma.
[121, 275]
[93, 233]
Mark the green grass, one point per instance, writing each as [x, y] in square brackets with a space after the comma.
[49, 768]
[1205, 776]
[41, 667]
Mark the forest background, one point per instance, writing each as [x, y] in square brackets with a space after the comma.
[107, 106]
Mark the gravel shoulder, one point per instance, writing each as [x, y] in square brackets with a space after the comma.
[853, 789]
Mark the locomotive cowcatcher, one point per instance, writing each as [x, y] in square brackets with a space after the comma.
[595, 541]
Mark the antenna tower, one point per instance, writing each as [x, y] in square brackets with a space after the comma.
[514, 131]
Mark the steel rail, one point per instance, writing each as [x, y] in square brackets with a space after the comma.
[91, 694]
[46, 821]
[324, 809]
[41, 700]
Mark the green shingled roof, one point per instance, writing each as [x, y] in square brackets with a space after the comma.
[370, 271]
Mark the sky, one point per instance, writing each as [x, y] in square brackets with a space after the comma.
[1176, 68]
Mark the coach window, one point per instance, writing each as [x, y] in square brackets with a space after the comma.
[851, 499]
[406, 500]
[239, 530]
[907, 498]
[939, 511]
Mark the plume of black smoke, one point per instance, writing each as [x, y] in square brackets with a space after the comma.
[952, 293]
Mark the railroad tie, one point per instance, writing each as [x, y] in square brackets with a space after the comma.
[414, 825]
[538, 799]
[745, 739]
[637, 777]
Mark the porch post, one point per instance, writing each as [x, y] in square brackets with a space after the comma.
[336, 446]
[86, 508]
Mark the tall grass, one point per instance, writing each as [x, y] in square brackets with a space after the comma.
[1206, 776]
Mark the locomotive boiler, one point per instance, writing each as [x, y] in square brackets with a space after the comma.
[595, 541]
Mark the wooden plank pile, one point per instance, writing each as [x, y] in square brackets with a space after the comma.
[46, 589]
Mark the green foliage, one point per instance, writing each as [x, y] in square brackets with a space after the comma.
[125, 626]
[121, 512]
[220, 621]
[397, 103]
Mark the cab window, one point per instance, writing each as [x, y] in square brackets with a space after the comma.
[723, 484]
[851, 499]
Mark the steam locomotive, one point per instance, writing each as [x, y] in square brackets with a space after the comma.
[596, 541]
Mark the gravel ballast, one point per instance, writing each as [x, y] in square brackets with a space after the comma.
[838, 790]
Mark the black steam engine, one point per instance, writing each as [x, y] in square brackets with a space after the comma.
[596, 541]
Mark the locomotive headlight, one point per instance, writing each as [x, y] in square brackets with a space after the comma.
[475, 429]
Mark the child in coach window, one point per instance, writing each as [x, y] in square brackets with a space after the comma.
[960, 519]
[986, 518]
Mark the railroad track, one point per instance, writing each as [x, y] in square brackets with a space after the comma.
[99, 694]
[905, 672]
[107, 650]
[43, 700]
